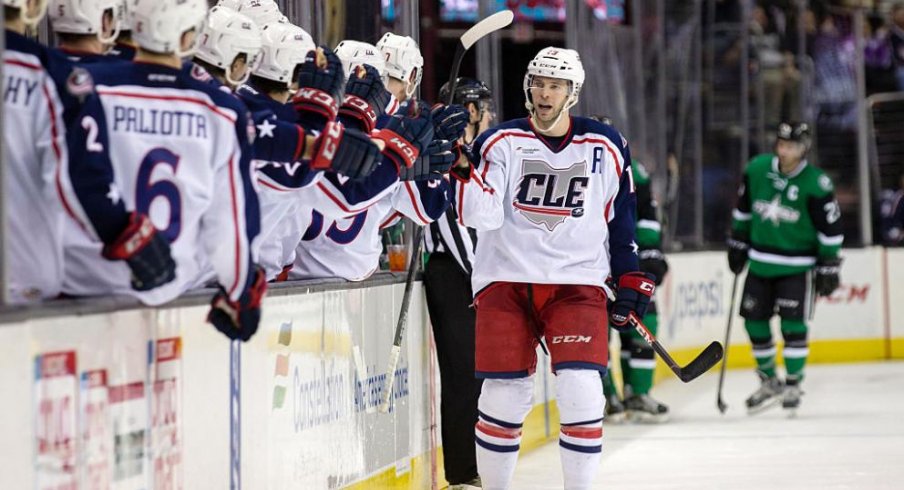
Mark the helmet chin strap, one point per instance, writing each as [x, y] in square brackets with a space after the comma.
[572, 100]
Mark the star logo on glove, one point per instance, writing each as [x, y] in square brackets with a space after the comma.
[265, 129]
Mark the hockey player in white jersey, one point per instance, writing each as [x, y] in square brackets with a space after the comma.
[229, 46]
[404, 65]
[552, 198]
[161, 167]
[86, 29]
[35, 101]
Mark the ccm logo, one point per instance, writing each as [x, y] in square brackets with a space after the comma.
[566, 339]
[333, 134]
[647, 286]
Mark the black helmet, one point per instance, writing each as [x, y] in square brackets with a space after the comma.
[798, 132]
[466, 90]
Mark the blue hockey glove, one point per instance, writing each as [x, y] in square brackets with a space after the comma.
[633, 296]
[146, 251]
[365, 99]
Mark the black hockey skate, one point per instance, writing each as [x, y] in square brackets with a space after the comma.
[615, 410]
[646, 410]
[768, 394]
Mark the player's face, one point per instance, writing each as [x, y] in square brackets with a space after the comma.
[548, 96]
[789, 152]
[239, 66]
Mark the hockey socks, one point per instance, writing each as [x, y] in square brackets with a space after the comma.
[796, 348]
[763, 346]
[580, 399]
[502, 407]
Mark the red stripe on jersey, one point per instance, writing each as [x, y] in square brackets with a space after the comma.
[339, 202]
[461, 202]
[391, 218]
[275, 187]
[57, 152]
[215, 109]
[500, 136]
[235, 221]
[414, 203]
[553, 212]
[606, 213]
[606, 143]
[583, 432]
[30, 66]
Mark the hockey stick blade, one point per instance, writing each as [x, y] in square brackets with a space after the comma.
[704, 361]
[699, 365]
[499, 20]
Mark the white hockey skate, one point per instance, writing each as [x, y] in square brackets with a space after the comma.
[646, 410]
[768, 394]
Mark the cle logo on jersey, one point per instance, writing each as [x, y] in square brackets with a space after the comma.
[548, 196]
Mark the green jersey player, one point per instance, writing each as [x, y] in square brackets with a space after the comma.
[787, 224]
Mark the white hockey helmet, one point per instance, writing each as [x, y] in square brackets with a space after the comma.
[355, 53]
[84, 17]
[39, 10]
[558, 63]
[225, 35]
[158, 25]
[233, 4]
[284, 47]
[124, 10]
[403, 57]
[262, 12]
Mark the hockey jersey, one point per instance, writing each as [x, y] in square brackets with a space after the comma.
[154, 140]
[790, 220]
[649, 231]
[34, 149]
[550, 213]
[350, 248]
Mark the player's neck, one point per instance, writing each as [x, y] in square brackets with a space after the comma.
[83, 44]
[17, 26]
[790, 168]
[126, 40]
[555, 128]
[169, 59]
[281, 96]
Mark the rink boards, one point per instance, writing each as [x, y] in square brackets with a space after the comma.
[143, 398]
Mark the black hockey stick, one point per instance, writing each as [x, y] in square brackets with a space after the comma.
[719, 401]
[699, 365]
[485, 27]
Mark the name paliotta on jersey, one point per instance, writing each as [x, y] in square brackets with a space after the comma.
[154, 121]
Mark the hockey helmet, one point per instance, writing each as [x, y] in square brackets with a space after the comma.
[355, 53]
[797, 132]
[403, 58]
[158, 25]
[466, 90]
[30, 20]
[85, 17]
[225, 35]
[559, 63]
[262, 12]
[284, 47]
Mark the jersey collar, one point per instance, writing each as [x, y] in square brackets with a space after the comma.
[794, 173]
[565, 140]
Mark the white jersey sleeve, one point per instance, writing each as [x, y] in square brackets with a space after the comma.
[479, 200]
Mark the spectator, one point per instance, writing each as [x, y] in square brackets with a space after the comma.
[775, 62]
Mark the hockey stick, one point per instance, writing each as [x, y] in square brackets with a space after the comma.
[699, 365]
[487, 26]
[719, 401]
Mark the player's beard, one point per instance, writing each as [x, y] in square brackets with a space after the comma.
[546, 118]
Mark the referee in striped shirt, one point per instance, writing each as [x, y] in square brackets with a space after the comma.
[447, 281]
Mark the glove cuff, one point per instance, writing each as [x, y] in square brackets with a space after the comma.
[137, 234]
[316, 101]
[358, 109]
[396, 148]
[637, 281]
[326, 145]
